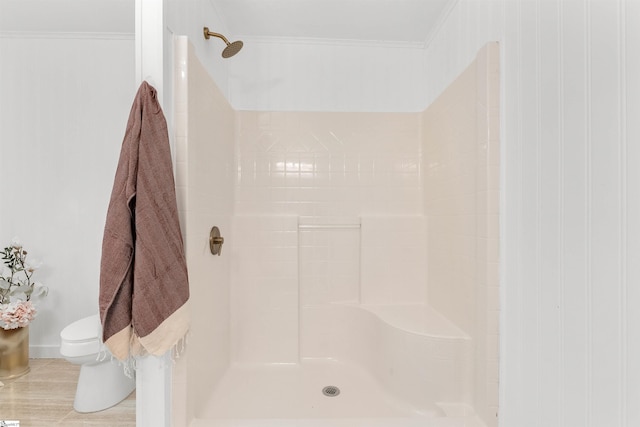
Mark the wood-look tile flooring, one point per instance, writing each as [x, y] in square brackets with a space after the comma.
[44, 397]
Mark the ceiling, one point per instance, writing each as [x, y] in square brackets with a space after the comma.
[361, 20]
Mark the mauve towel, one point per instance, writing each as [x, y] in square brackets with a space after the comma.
[144, 287]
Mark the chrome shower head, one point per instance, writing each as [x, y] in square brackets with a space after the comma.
[231, 49]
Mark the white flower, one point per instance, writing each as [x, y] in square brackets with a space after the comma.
[19, 293]
[16, 243]
[39, 290]
[16, 282]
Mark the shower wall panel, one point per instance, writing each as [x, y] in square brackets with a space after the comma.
[394, 250]
[333, 167]
[264, 291]
[328, 164]
[204, 179]
[329, 265]
[461, 190]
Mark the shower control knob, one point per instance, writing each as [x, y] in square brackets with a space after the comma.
[215, 241]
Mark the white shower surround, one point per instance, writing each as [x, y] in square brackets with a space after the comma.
[303, 179]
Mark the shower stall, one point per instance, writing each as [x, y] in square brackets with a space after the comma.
[357, 282]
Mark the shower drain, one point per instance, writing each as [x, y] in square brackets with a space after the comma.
[331, 391]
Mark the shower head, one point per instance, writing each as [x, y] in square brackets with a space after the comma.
[231, 49]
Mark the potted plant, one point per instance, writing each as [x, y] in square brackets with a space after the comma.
[17, 293]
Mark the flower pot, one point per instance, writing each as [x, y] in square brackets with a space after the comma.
[14, 352]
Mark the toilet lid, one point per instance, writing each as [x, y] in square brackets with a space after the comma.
[86, 329]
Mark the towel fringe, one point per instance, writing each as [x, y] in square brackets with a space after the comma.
[102, 354]
[179, 348]
[130, 365]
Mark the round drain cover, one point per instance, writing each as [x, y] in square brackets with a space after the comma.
[331, 391]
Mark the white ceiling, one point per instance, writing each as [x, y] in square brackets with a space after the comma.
[379, 20]
[362, 20]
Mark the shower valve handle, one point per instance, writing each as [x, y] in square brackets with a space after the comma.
[215, 241]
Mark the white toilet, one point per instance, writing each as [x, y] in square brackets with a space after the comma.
[102, 382]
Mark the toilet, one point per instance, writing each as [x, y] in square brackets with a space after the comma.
[102, 382]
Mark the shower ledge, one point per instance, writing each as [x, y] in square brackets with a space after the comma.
[419, 319]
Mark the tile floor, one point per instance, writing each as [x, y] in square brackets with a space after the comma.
[44, 397]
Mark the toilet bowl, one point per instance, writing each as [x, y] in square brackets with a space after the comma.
[102, 382]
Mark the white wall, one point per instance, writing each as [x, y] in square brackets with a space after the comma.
[570, 204]
[64, 105]
[313, 75]
[188, 19]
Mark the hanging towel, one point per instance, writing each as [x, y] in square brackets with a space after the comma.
[144, 288]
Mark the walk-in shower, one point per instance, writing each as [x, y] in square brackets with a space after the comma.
[354, 286]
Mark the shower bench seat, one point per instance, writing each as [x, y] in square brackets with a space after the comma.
[421, 319]
[415, 352]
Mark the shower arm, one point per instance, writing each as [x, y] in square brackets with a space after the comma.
[208, 34]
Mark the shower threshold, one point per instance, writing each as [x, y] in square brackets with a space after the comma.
[288, 395]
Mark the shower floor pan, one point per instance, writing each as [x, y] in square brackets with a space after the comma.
[287, 395]
[393, 366]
